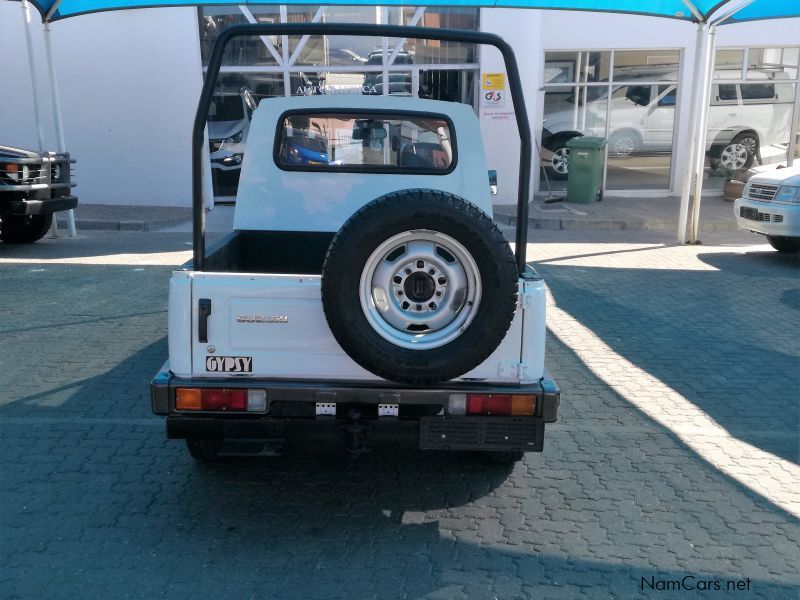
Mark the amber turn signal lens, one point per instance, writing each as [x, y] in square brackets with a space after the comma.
[523, 405]
[188, 399]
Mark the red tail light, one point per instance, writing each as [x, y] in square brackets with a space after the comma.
[501, 404]
[210, 399]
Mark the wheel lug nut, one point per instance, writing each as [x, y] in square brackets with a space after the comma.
[405, 305]
[432, 272]
[432, 305]
[439, 294]
[397, 279]
[399, 292]
[442, 280]
[420, 264]
[408, 271]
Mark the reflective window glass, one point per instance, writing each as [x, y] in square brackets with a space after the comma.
[386, 143]
[648, 65]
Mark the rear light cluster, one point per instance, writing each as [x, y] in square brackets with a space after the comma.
[492, 404]
[220, 399]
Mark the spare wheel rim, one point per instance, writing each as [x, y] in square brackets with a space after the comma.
[420, 289]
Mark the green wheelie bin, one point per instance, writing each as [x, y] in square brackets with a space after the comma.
[585, 175]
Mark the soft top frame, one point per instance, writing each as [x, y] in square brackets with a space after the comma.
[392, 31]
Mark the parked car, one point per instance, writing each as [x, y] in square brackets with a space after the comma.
[303, 149]
[743, 117]
[399, 83]
[228, 124]
[770, 205]
[365, 298]
[33, 186]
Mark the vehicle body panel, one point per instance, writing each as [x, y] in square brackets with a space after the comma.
[303, 346]
[270, 198]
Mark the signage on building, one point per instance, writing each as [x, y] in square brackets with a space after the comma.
[493, 86]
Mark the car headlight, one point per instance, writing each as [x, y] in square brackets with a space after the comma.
[235, 138]
[788, 193]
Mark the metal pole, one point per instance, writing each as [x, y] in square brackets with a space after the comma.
[686, 186]
[57, 120]
[700, 154]
[26, 16]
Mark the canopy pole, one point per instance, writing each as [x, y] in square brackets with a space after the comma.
[57, 120]
[26, 15]
[702, 133]
[694, 104]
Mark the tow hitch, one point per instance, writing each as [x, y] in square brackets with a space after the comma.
[355, 433]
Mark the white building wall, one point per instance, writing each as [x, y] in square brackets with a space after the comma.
[521, 28]
[129, 83]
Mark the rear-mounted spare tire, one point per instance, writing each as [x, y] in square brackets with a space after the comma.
[419, 286]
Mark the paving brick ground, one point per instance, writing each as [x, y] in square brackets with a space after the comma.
[676, 453]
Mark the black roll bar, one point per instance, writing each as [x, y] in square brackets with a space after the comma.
[392, 31]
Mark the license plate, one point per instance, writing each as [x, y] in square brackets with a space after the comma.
[229, 364]
[747, 212]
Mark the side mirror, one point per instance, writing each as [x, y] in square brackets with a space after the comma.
[493, 182]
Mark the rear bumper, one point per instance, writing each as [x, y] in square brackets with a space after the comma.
[425, 423]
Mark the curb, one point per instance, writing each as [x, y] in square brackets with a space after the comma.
[567, 224]
[122, 225]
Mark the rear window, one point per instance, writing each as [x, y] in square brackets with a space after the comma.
[365, 141]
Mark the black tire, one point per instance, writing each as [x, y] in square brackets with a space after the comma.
[789, 245]
[406, 211]
[203, 450]
[24, 229]
[624, 143]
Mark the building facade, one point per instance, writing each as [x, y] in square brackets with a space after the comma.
[129, 83]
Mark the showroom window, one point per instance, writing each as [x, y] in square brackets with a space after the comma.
[753, 114]
[628, 97]
[268, 66]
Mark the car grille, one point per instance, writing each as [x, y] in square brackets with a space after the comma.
[753, 214]
[762, 191]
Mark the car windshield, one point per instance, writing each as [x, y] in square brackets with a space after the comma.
[373, 142]
[226, 108]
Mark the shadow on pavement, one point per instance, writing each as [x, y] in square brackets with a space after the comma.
[723, 341]
[755, 263]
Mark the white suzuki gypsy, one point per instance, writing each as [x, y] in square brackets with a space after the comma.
[365, 292]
